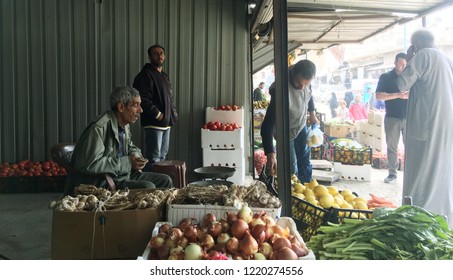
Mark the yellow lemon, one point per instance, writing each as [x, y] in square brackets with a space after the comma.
[311, 199]
[361, 205]
[326, 200]
[309, 192]
[313, 183]
[345, 192]
[354, 215]
[299, 188]
[299, 195]
[349, 198]
[360, 199]
[332, 190]
[336, 205]
[339, 199]
[320, 190]
[346, 205]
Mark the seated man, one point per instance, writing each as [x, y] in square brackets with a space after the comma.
[105, 154]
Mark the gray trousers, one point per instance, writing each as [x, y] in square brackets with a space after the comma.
[145, 180]
[394, 127]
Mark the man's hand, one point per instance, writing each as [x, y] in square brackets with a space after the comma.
[403, 95]
[138, 163]
[313, 119]
[271, 164]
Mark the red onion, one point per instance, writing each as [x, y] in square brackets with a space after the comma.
[232, 245]
[259, 233]
[191, 233]
[163, 252]
[174, 233]
[157, 240]
[183, 242]
[248, 245]
[281, 242]
[231, 217]
[284, 254]
[208, 219]
[300, 251]
[164, 228]
[215, 255]
[184, 223]
[215, 229]
[207, 242]
[238, 228]
[225, 225]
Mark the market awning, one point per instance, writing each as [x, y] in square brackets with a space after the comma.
[320, 24]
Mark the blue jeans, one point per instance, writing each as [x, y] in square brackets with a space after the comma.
[157, 143]
[300, 156]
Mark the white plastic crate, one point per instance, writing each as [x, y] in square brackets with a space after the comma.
[217, 139]
[377, 130]
[229, 158]
[177, 212]
[353, 172]
[379, 144]
[213, 115]
[379, 118]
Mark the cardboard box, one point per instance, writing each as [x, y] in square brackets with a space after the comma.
[102, 235]
[339, 131]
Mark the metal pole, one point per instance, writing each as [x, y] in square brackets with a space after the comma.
[282, 104]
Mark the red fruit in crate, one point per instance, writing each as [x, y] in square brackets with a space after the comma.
[218, 124]
[228, 108]
[221, 107]
[235, 126]
[213, 127]
[205, 126]
[229, 128]
[222, 127]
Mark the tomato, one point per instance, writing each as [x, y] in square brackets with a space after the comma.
[205, 126]
[221, 107]
[222, 127]
[213, 127]
[235, 126]
[229, 128]
[228, 107]
[218, 124]
[235, 107]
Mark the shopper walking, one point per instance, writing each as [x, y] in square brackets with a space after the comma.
[299, 92]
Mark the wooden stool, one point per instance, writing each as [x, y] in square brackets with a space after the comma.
[176, 169]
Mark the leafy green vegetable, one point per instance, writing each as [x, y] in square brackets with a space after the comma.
[405, 233]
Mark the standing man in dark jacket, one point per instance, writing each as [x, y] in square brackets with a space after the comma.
[159, 110]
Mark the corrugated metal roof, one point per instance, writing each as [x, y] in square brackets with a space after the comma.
[322, 23]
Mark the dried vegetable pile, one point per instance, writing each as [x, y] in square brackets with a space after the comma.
[255, 195]
[91, 198]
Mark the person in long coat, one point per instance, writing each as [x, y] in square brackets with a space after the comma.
[428, 170]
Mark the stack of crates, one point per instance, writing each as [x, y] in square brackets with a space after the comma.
[225, 148]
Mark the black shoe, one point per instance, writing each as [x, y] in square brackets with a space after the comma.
[390, 179]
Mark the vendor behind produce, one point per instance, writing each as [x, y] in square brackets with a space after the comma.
[105, 156]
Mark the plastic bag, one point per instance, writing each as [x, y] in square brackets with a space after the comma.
[315, 137]
[270, 181]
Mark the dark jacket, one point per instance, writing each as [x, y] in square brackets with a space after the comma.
[157, 97]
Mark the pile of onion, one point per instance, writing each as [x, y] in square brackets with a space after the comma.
[237, 236]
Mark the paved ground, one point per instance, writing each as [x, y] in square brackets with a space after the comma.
[25, 219]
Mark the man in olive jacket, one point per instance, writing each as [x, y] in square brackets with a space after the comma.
[105, 155]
